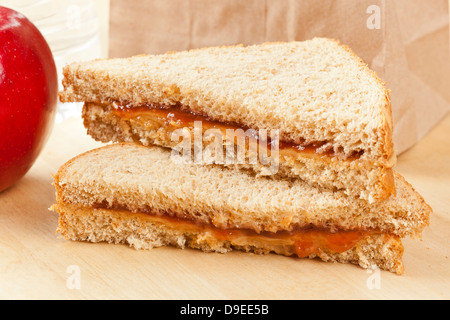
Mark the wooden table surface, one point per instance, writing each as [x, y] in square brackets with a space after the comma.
[36, 264]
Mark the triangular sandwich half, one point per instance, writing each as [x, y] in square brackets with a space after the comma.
[142, 196]
[331, 112]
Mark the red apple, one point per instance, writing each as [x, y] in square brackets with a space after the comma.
[28, 95]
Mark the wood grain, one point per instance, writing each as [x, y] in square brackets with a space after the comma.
[36, 264]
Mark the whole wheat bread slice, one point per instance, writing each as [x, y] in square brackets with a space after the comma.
[148, 179]
[316, 90]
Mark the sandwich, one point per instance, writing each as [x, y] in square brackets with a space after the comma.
[137, 195]
[279, 148]
[328, 113]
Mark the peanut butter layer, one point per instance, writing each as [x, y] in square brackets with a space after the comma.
[302, 242]
[176, 117]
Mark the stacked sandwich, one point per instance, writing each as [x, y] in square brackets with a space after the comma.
[325, 187]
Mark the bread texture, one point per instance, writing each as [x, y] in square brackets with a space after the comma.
[150, 180]
[140, 231]
[360, 178]
[315, 90]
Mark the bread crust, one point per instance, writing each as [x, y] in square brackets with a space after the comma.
[387, 126]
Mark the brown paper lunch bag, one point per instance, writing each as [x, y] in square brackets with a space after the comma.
[406, 42]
